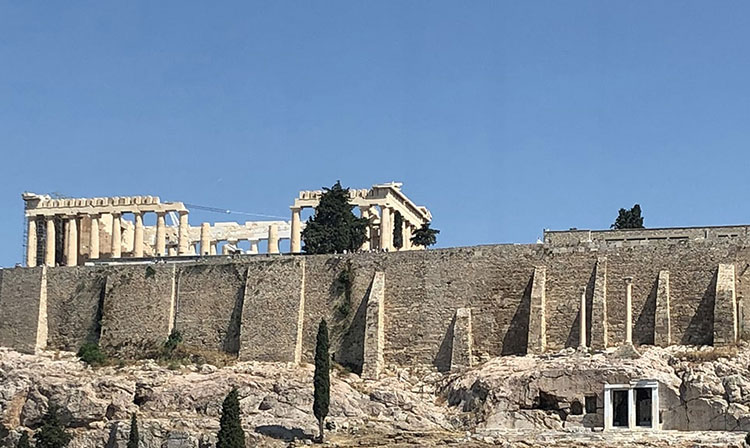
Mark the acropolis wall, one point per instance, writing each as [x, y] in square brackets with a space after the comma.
[445, 307]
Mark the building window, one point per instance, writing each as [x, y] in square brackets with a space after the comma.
[590, 404]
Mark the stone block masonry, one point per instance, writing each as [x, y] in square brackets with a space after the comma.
[725, 307]
[268, 308]
[209, 305]
[23, 307]
[461, 348]
[374, 334]
[272, 310]
[662, 320]
[74, 297]
[138, 310]
[537, 339]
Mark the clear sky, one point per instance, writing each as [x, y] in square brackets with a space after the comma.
[503, 117]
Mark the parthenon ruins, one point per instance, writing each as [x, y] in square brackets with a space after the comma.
[71, 232]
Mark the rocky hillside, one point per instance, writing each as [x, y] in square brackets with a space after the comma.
[518, 401]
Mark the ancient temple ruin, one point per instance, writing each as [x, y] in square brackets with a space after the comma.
[71, 231]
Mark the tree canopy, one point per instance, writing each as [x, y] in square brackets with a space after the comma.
[231, 434]
[334, 228]
[425, 236]
[629, 219]
[398, 230]
[52, 432]
[133, 436]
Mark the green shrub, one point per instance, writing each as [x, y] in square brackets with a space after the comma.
[52, 432]
[172, 342]
[91, 354]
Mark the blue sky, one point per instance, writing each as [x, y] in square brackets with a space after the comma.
[504, 118]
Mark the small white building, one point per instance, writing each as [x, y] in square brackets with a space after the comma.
[632, 406]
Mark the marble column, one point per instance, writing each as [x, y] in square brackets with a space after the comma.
[386, 230]
[582, 320]
[116, 251]
[94, 238]
[213, 248]
[296, 243]
[183, 237]
[273, 239]
[49, 253]
[205, 239]
[253, 246]
[225, 248]
[161, 235]
[365, 212]
[629, 310]
[31, 242]
[72, 242]
[138, 235]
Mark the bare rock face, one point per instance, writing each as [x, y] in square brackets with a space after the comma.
[555, 396]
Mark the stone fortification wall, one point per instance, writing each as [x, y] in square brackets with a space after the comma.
[209, 305]
[138, 309]
[272, 310]
[268, 308]
[74, 301]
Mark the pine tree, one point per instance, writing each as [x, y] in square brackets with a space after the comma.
[133, 437]
[23, 442]
[231, 434]
[321, 379]
[629, 219]
[398, 230]
[424, 236]
[52, 433]
[334, 228]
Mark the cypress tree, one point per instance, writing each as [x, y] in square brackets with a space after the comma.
[321, 379]
[52, 433]
[398, 230]
[425, 236]
[231, 434]
[334, 228]
[23, 442]
[133, 437]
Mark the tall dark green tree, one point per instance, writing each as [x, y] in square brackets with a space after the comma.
[231, 434]
[52, 432]
[321, 379]
[334, 228]
[398, 230]
[629, 219]
[133, 437]
[424, 236]
[23, 442]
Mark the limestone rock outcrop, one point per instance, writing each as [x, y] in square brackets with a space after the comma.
[493, 404]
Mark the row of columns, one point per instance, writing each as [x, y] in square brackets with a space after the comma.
[71, 240]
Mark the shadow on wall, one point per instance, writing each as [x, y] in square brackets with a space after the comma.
[516, 340]
[351, 350]
[575, 329]
[700, 330]
[643, 329]
[442, 360]
[231, 342]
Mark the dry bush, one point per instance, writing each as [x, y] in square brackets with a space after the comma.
[707, 355]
